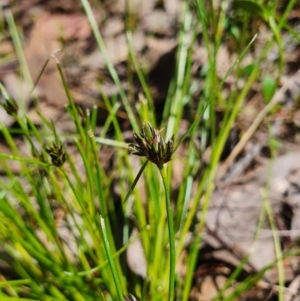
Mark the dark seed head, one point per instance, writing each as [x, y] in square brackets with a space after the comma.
[10, 106]
[57, 153]
[151, 145]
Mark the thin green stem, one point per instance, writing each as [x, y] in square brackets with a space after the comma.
[135, 181]
[111, 260]
[163, 174]
[111, 69]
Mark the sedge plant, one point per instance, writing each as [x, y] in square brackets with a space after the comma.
[151, 145]
[48, 189]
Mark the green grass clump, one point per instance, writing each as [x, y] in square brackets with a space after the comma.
[59, 219]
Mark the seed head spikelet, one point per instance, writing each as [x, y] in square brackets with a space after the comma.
[150, 144]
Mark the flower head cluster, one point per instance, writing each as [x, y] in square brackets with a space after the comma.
[57, 153]
[151, 145]
[10, 106]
